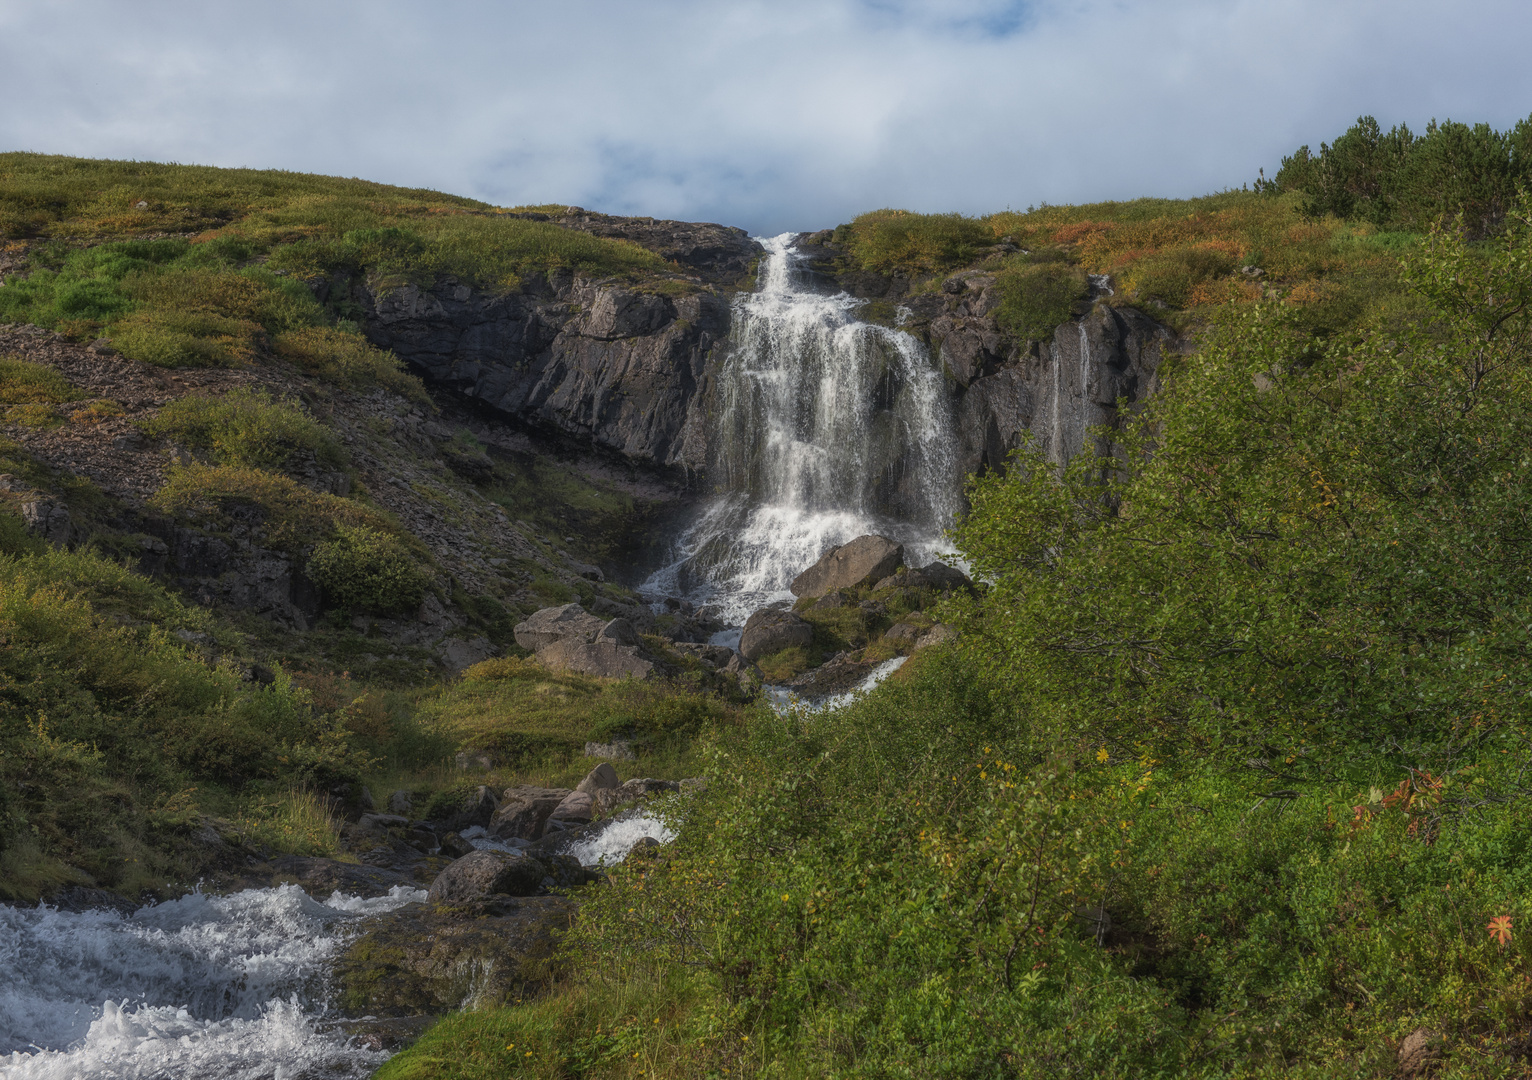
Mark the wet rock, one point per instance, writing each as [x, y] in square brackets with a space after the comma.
[483, 875]
[867, 558]
[836, 676]
[524, 811]
[454, 846]
[477, 807]
[769, 631]
[319, 876]
[418, 962]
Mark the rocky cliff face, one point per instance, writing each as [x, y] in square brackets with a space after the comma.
[619, 365]
[1056, 389]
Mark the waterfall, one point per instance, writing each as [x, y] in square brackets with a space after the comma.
[826, 428]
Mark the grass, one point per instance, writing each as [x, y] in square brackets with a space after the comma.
[1182, 258]
[25, 383]
[245, 428]
[291, 514]
[305, 224]
[525, 716]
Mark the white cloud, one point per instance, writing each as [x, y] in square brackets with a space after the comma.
[792, 113]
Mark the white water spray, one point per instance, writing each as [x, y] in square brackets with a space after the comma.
[203, 986]
[827, 428]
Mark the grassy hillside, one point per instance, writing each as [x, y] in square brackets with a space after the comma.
[234, 406]
[1226, 776]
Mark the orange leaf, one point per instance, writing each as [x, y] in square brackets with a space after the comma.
[1500, 929]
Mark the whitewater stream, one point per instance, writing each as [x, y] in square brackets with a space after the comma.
[829, 428]
[203, 987]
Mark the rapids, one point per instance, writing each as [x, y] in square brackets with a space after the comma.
[202, 986]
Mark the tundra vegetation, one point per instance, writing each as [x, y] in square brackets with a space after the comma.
[1225, 776]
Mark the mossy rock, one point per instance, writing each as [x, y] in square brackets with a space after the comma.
[428, 961]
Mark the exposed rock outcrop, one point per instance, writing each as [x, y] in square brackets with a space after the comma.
[616, 365]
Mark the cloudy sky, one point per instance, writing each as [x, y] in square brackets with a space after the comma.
[769, 115]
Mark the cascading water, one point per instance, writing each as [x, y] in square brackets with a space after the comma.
[827, 428]
[203, 986]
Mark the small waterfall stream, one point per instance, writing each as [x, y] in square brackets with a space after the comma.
[826, 428]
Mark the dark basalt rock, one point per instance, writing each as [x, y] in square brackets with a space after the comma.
[609, 364]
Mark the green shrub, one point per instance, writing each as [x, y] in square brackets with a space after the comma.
[364, 569]
[175, 339]
[348, 359]
[910, 243]
[22, 382]
[292, 515]
[245, 428]
[1035, 297]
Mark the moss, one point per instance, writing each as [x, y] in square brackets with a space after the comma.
[26, 383]
[291, 514]
[245, 428]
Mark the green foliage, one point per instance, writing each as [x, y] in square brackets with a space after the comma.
[1399, 177]
[910, 243]
[346, 358]
[110, 725]
[489, 250]
[292, 515]
[26, 383]
[246, 428]
[1035, 297]
[364, 569]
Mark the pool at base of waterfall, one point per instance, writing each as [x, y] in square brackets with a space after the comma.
[201, 986]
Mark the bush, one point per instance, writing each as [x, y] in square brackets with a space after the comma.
[1036, 297]
[348, 359]
[26, 383]
[364, 569]
[910, 243]
[245, 428]
[175, 339]
[292, 515]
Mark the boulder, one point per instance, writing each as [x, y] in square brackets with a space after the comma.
[831, 600]
[618, 632]
[867, 558]
[937, 635]
[769, 630]
[455, 846]
[552, 625]
[485, 874]
[399, 802]
[602, 776]
[477, 807]
[610, 799]
[523, 811]
[601, 659]
[577, 808]
[903, 633]
[617, 750]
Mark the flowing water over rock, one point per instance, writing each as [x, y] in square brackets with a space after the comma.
[827, 427]
[203, 986]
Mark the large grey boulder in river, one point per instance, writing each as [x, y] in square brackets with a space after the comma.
[865, 559]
